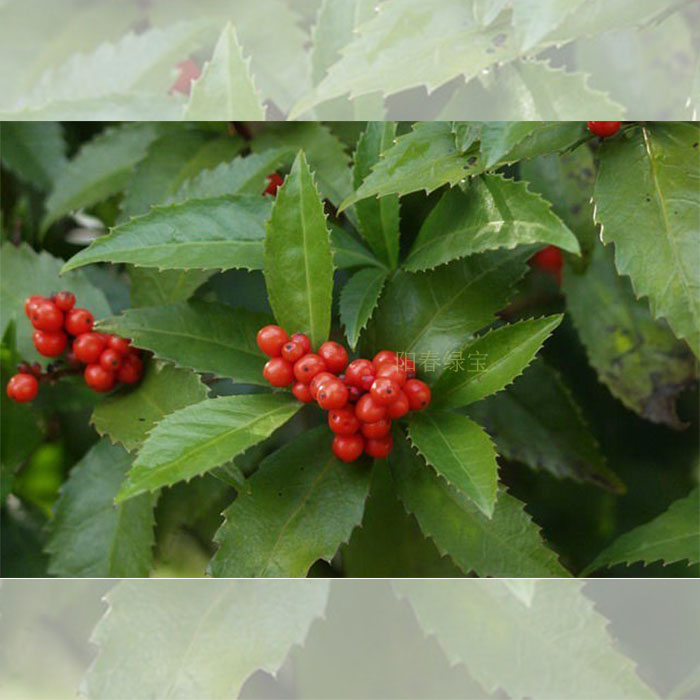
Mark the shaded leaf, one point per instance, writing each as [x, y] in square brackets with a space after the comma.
[534, 19]
[151, 287]
[358, 300]
[349, 252]
[500, 138]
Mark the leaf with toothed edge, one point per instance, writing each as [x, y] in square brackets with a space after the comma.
[202, 436]
[349, 252]
[358, 300]
[303, 504]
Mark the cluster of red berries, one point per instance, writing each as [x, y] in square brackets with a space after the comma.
[604, 129]
[61, 328]
[361, 397]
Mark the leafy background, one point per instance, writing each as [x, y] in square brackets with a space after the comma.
[574, 451]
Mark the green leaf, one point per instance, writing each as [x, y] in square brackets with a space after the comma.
[255, 622]
[460, 451]
[298, 258]
[507, 545]
[466, 134]
[424, 159]
[647, 198]
[438, 311]
[128, 417]
[534, 19]
[491, 213]
[302, 505]
[89, 535]
[497, 358]
[485, 11]
[24, 272]
[199, 335]
[349, 252]
[202, 436]
[151, 287]
[637, 358]
[500, 138]
[204, 234]
[672, 536]
[225, 90]
[358, 300]
[536, 421]
[100, 169]
[35, 151]
[379, 218]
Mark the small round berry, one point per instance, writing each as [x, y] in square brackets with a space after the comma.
[65, 300]
[278, 372]
[131, 370]
[377, 429]
[384, 391]
[334, 355]
[332, 394]
[343, 421]
[121, 345]
[50, 344]
[292, 351]
[400, 407]
[110, 360]
[79, 321]
[356, 370]
[31, 303]
[549, 259]
[303, 340]
[319, 379]
[274, 183]
[348, 448]
[308, 367]
[379, 447]
[35, 369]
[366, 382]
[98, 378]
[604, 129]
[385, 356]
[302, 392]
[393, 372]
[46, 316]
[22, 387]
[368, 410]
[271, 339]
[354, 394]
[88, 347]
[418, 394]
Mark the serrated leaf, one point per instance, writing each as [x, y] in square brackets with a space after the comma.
[637, 358]
[225, 90]
[507, 545]
[100, 168]
[437, 312]
[211, 639]
[499, 138]
[35, 151]
[379, 218]
[502, 356]
[89, 535]
[536, 421]
[151, 287]
[204, 435]
[461, 452]
[127, 417]
[490, 213]
[534, 19]
[303, 504]
[199, 335]
[349, 252]
[204, 234]
[298, 258]
[358, 300]
[648, 203]
[670, 537]
[24, 272]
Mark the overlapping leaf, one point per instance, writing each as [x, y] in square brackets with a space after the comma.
[358, 300]
[349, 252]
[151, 287]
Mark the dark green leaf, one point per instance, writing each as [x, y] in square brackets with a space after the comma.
[349, 252]
[151, 287]
[500, 138]
[358, 300]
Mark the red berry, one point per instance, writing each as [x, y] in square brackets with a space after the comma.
[385, 356]
[399, 408]
[131, 370]
[278, 372]
[46, 316]
[303, 340]
[354, 394]
[31, 303]
[408, 366]
[79, 321]
[393, 372]
[384, 391]
[22, 387]
[308, 367]
[292, 351]
[356, 370]
[368, 410]
[604, 129]
[379, 447]
[319, 379]
[121, 345]
[334, 355]
[98, 378]
[189, 71]
[348, 448]
[332, 394]
[275, 182]
[88, 347]
[302, 392]
[110, 360]
[343, 421]
[50, 344]
[549, 259]
[377, 429]
[271, 339]
[65, 300]
[418, 394]
[35, 369]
